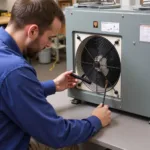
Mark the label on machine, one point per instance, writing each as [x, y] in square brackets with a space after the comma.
[145, 33]
[112, 27]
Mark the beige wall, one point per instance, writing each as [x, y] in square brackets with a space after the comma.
[6, 4]
[9, 4]
[2, 4]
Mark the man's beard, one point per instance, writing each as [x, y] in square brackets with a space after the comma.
[30, 53]
[32, 50]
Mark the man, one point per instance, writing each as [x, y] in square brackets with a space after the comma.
[24, 111]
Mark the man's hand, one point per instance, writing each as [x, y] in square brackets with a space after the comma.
[65, 81]
[103, 113]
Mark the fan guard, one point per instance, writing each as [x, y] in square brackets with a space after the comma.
[97, 60]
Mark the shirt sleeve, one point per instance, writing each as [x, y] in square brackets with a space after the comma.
[23, 100]
[49, 87]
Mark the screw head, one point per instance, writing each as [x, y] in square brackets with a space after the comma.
[134, 43]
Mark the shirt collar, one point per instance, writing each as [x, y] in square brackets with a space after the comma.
[9, 41]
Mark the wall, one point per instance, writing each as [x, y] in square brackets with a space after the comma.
[9, 4]
[2, 4]
[6, 4]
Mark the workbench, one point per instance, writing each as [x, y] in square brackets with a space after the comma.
[126, 132]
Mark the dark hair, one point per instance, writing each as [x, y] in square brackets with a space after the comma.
[39, 12]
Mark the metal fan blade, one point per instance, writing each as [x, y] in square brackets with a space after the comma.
[89, 53]
[116, 42]
[88, 63]
[79, 38]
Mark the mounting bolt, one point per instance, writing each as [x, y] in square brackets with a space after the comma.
[79, 84]
[134, 43]
[122, 16]
[78, 37]
[116, 92]
[117, 42]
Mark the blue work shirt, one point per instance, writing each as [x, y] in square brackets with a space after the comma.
[24, 110]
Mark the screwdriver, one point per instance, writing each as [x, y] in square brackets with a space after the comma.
[106, 84]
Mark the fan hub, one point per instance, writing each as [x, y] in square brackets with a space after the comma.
[96, 64]
[100, 64]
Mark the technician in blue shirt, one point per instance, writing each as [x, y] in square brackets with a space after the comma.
[24, 110]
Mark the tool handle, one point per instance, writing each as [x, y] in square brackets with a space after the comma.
[80, 78]
[106, 84]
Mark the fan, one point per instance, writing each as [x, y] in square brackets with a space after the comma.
[98, 61]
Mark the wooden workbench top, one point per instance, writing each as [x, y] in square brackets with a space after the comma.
[4, 20]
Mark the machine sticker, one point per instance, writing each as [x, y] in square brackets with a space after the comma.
[95, 24]
[145, 33]
[110, 27]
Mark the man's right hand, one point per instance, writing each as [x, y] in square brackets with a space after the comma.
[103, 113]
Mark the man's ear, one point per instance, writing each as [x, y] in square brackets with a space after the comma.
[33, 31]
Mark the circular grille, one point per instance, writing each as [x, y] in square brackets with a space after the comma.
[98, 60]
